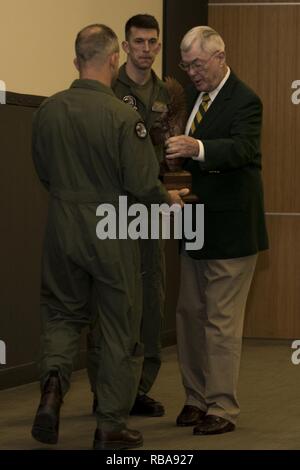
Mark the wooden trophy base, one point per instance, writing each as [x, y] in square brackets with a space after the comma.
[178, 180]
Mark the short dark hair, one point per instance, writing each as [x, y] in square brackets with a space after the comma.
[141, 21]
[95, 40]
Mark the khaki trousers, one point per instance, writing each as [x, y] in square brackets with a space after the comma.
[209, 318]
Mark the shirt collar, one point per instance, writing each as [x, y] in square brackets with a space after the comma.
[213, 94]
[123, 77]
[91, 85]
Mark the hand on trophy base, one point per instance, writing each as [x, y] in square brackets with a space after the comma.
[179, 179]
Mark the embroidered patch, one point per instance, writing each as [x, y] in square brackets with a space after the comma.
[129, 99]
[141, 130]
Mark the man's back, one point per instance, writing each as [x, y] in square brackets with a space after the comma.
[85, 140]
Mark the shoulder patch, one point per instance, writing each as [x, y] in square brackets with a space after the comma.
[140, 130]
[129, 99]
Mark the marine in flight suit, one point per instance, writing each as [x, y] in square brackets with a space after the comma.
[87, 148]
[150, 101]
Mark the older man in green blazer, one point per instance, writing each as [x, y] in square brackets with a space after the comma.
[221, 148]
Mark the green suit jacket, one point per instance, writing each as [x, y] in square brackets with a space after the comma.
[229, 182]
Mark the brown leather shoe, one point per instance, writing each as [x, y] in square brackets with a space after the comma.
[146, 406]
[212, 424]
[46, 422]
[116, 440]
[189, 416]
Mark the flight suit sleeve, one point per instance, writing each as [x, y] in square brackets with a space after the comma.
[139, 164]
[37, 156]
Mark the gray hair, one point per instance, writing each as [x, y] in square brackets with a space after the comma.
[208, 40]
[95, 43]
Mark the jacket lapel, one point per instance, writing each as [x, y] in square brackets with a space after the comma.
[217, 106]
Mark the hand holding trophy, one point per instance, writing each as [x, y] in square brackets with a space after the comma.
[172, 123]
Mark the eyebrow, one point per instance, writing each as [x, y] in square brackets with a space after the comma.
[146, 39]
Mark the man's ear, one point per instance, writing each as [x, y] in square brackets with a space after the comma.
[114, 59]
[125, 47]
[222, 56]
[75, 62]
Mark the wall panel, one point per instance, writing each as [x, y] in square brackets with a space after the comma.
[37, 38]
[273, 304]
[263, 47]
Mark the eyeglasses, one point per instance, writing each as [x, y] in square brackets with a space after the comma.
[196, 65]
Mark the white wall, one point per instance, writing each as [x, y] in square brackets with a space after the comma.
[37, 38]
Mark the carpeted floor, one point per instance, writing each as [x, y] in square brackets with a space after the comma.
[269, 394]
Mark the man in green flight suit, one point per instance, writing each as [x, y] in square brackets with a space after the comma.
[87, 149]
[138, 86]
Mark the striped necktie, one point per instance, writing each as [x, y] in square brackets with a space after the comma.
[200, 113]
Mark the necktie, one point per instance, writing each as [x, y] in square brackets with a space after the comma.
[200, 113]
